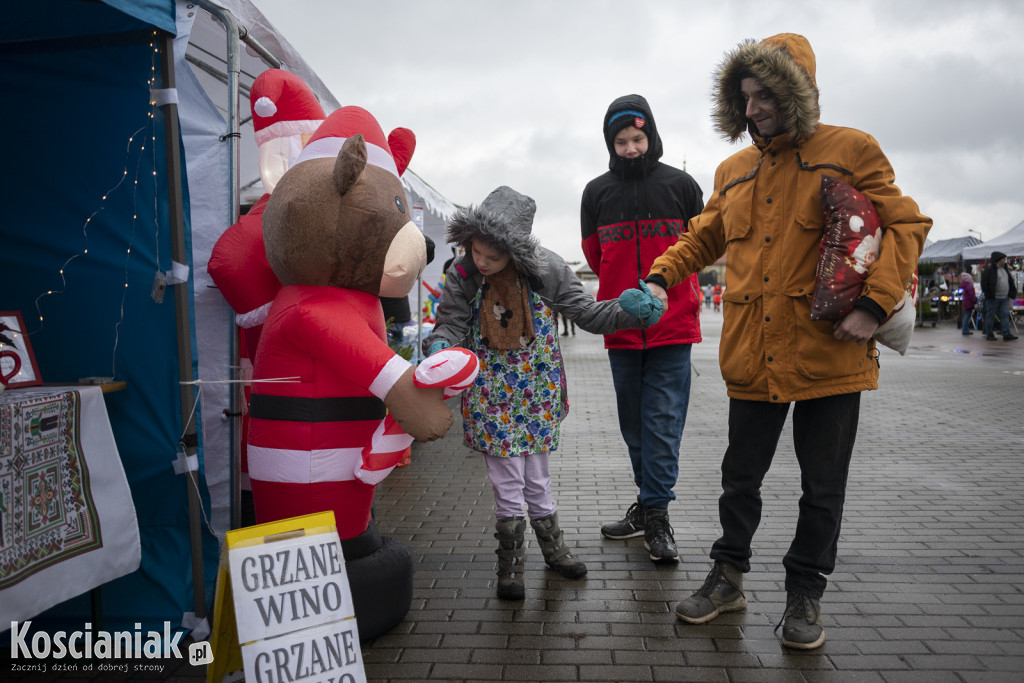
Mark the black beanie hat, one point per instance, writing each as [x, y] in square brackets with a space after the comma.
[997, 256]
[624, 119]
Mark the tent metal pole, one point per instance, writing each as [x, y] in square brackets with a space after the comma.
[418, 351]
[236, 34]
[255, 46]
[190, 438]
[234, 68]
[232, 135]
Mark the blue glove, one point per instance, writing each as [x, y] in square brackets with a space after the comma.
[640, 303]
[439, 345]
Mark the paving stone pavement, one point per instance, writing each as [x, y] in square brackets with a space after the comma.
[927, 589]
[928, 585]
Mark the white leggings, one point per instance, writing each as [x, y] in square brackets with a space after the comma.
[519, 480]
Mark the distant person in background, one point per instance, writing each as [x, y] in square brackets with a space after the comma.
[397, 313]
[456, 251]
[629, 215]
[969, 299]
[566, 323]
[998, 288]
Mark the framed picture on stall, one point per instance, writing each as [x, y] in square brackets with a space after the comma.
[17, 362]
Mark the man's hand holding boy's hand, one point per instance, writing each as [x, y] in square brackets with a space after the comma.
[659, 293]
[643, 304]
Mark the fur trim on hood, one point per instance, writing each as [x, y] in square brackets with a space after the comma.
[505, 220]
[784, 64]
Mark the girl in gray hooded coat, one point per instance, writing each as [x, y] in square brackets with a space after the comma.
[500, 300]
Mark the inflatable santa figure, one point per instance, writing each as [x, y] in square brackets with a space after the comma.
[285, 114]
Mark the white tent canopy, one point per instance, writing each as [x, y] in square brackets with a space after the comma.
[947, 251]
[1010, 243]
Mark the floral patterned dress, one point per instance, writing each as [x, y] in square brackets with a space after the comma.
[520, 396]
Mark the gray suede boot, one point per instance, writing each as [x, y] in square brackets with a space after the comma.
[556, 553]
[511, 557]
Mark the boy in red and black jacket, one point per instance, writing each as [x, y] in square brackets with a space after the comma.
[629, 216]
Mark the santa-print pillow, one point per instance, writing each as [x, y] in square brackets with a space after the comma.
[849, 245]
[896, 330]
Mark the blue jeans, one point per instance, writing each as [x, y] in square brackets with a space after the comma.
[824, 430]
[968, 314]
[652, 391]
[1000, 307]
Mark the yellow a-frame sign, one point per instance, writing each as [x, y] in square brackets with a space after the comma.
[283, 607]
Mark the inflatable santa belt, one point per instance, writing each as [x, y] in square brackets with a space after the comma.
[303, 409]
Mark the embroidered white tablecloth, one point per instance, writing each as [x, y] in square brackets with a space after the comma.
[67, 521]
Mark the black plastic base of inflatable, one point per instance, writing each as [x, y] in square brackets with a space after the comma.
[380, 575]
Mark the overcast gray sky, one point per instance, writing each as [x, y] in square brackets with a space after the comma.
[512, 92]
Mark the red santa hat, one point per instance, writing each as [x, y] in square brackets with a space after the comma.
[283, 106]
[391, 153]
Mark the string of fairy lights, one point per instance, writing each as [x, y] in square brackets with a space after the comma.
[144, 137]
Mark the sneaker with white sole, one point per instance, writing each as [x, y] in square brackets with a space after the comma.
[658, 538]
[630, 526]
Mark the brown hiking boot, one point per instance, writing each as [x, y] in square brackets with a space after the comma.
[722, 592]
[801, 624]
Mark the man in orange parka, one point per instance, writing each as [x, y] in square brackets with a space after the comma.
[766, 210]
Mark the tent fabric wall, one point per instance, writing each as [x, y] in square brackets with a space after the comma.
[1010, 243]
[84, 113]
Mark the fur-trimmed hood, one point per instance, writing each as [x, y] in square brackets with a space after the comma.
[504, 219]
[784, 64]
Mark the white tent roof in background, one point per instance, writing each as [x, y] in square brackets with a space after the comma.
[1010, 243]
[434, 200]
[947, 251]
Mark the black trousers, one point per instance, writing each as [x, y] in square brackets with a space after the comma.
[824, 430]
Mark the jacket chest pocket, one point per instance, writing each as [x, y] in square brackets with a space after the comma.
[803, 243]
[807, 207]
[737, 212]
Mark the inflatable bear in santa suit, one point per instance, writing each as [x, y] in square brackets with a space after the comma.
[333, 408]
[286, 117]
